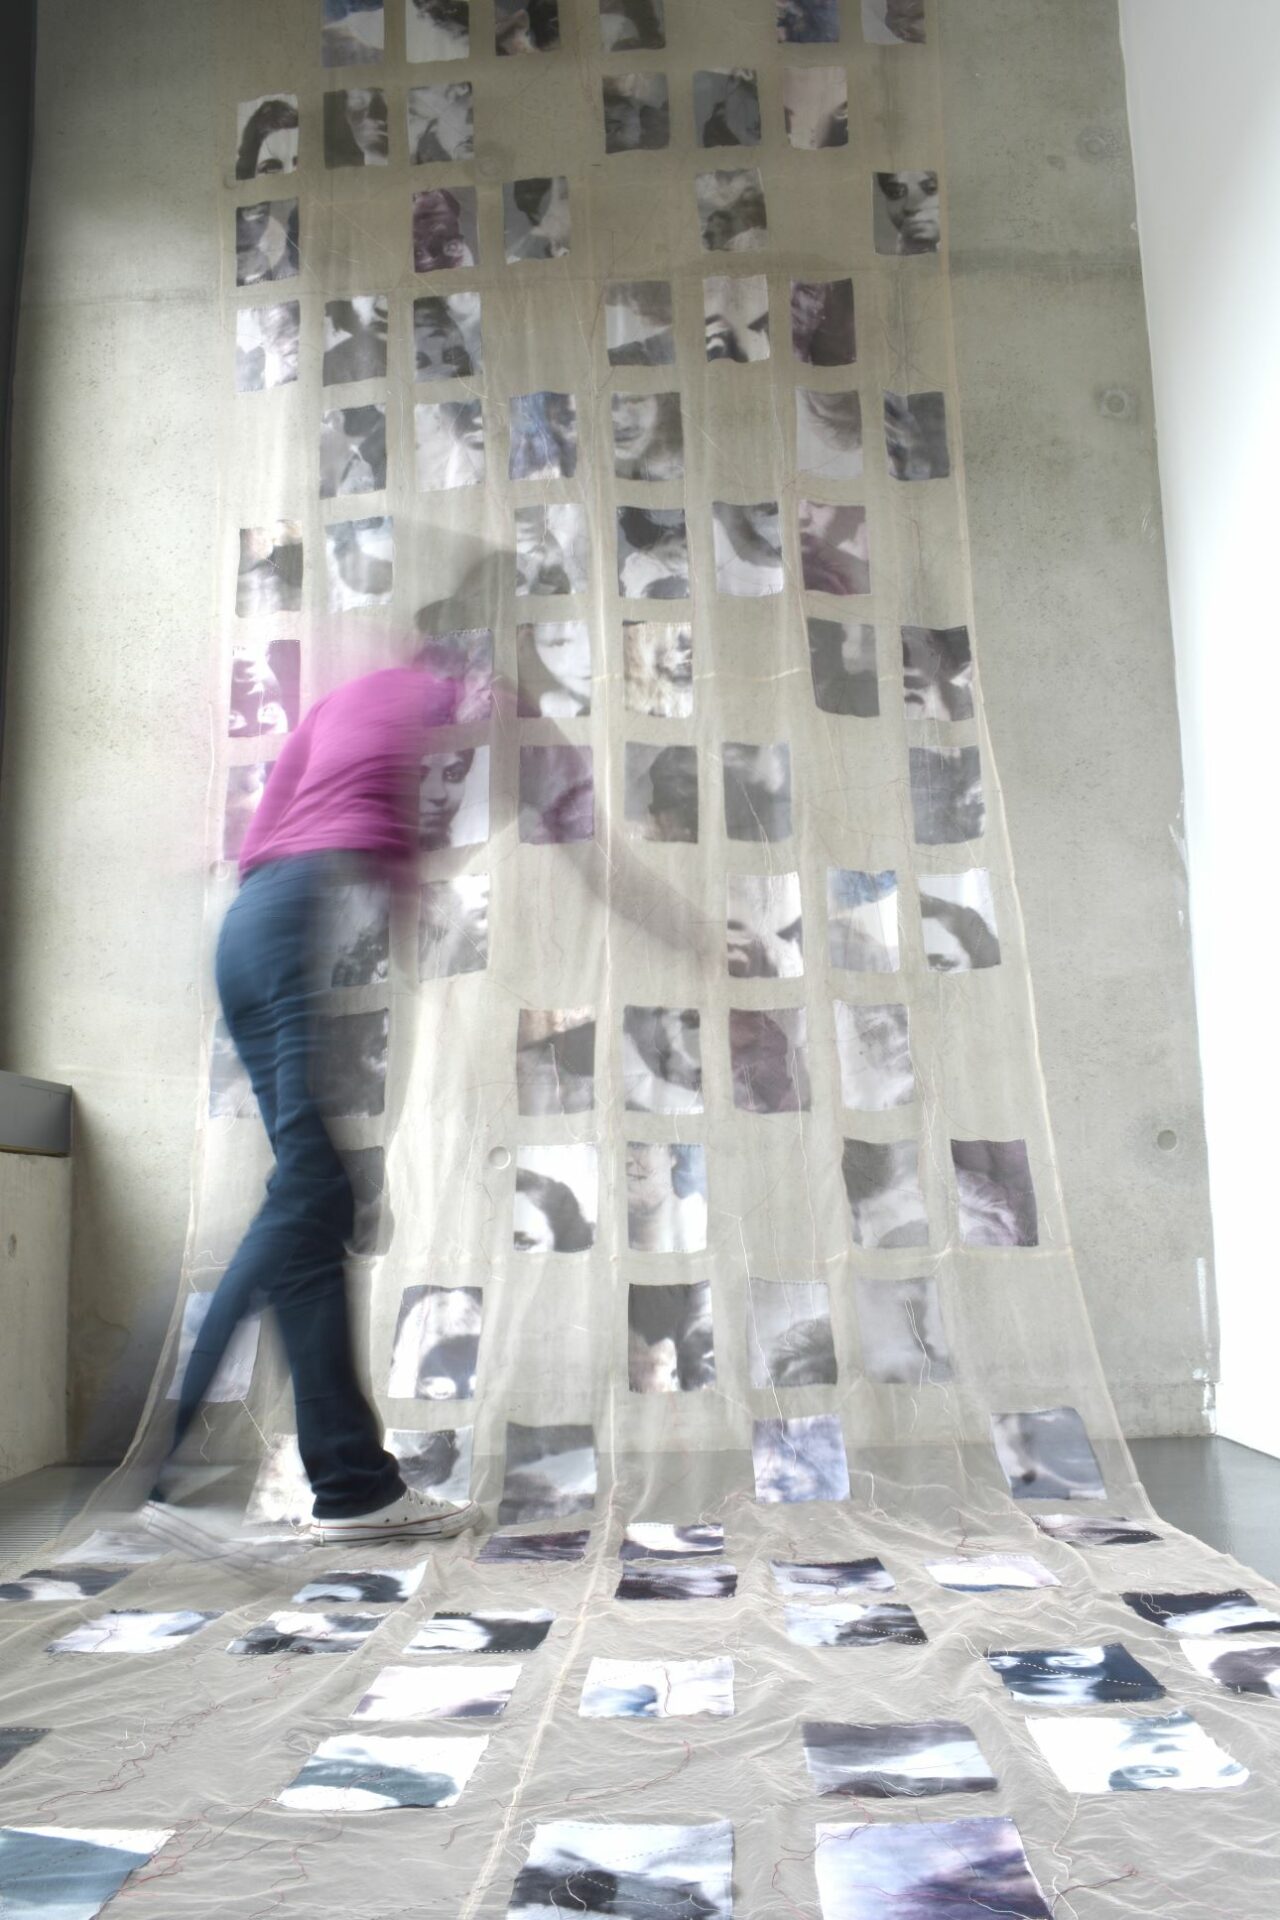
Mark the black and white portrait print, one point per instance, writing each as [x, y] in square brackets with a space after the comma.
[829, 433]
[245, 788]
[453, 927]
[535, 1549]
[356, 133]
[994, 1193]
[465, 661]
[526, 26]
[437, 30]
[910, 1758]
[937, 673]
[553, 551]
[351, 1064]
[353, 451]
[893, 23]
[590, 1868]
[436, 1348]
[448, 444]
[353, 934]
[483, 1632]
[662, 1059]
[959, 920]
[290, 1632]
[731, 210]
[660, 792]
[264, 697]
[677, 1583]
[769, 1056]
[1151, 1752]
[882, 1182]
[1240, 1668]
[266, 347]
[880, 1624]
[1233, 1611]
[267, 135]
[637, 112]
[555, 1061]
[553, 659]
[550, 1472]
[639, 324]
[957, 1868]
[789, 1339]
[842, 660]
[440, 122]
[656, 1689]
[904, 1338]
[915, 436]
[544, 436]
[874, 1050]
[438, 1693]
[808, 22]
[862, 920]
[648, 436]
[801, 1459]
[748, 548]
[355, 339]
[666, 1196]
[557, 795]
[444, 229]
[353, 33]
[269, 575]
[906, 213]
[360, 563]
[657, 664]
[536, 218]
[266, 242]
[71, 1873]
[822, 1579]
[653, 553]
[726, 107]
[660, 1540]
[446, 336]
[1076, 1676]
[764, 928]
[834, 551]
[556, 1201]
[368, 1772]
[1046, 1455]
[670, 1348]
[822, 322]
[815, 103]
[947, 803]
[757, 791]
[436, 1462]
[736, 317]
[376, 1586]
[632, 25]
[1085, 1531]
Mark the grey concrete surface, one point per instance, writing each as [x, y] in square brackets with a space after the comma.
[35, 1269]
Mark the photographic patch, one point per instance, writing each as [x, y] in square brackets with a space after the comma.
[364, 1773]
[556, 1201]
[436, 1349]
[801, 1459]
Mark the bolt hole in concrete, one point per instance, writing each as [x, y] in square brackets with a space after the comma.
[1117, 403]
[499, 1157]
[1166, 1139]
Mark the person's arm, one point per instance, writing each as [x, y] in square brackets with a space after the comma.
[282, 784]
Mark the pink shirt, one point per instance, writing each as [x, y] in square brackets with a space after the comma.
[348, 779]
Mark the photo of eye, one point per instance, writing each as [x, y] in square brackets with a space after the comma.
[726, 107]
[670, 1347]
[842, 661]
[764, 928]
[937, 673]
[731, 210]
[769, 1054]
[448, 444]
[355, 128]
[874, 1051]
[815, 103]
[736, 317]
[440, 122]
[359, 560]
[915, 435]
[267, 135]
[822, 322]
[666, 1196]
[657, 665]
[355, 339]
[829, 433]
[553, 660]
[1149, 1753]
[907, 219]
[862, 921]
[544, 436]
[637, 112]
[556, 1202]
[555, 1062]
[757, 791]
[648, 436]
[266, 347]
[639, 324]
[437, 30]
[536, 219]
[748, 548]
[446, 336]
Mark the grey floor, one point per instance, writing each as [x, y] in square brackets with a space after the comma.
[1225, 1494]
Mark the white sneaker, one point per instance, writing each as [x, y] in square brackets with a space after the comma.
[411, 1516]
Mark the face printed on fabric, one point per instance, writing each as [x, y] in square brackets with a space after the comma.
[757, 791]
[555, 1062]
[769, 1053]
[947, 803]
[1046, 1455]
[267, 135]
[834, 550]
[632, 24]
[353, 33]
[437, 1342]
[453, 931]
[588, 1867]
[648, 436]
[661, 792]
[1076, 1676]
[731, 210]
[764, 927]
[526, 26]
[264, 697]
[882, 1762]
[816, 107]
[748, 548]
[553, 553]
[360, 563]
[381, 1586]
[670, 1346]
[915, 432]
[907, 215]
[1169, 1750]
[444, 229]
[464, 661]
[266, 242]
[666, 1197]
[355, 339]
[637, 112]
[874, 1051]
[355, 128]
[1204, 1613]
[1240, 1669]
[554, 658]
[544, 436]
[437, 30]
[882, 1182]
[937, 673]
[639, 324]
[353, 451]
[943, 1867]
[800, 1459]
[365, 1773]
[657, 661]
[269, 579]
[959, 920]
[446, 336]
[789, 1339]
[822, 322]
[536, 219]
[653, 553]
[662, 1059]
[726, 107]
[736, 315]
[842, 660]
[557, 795]
[266, 347]
[904, 1337]
[556, 1199]
[448, 444]
[994, 1193]
[440, 122]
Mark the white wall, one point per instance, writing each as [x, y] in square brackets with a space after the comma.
[1204, 108]
[35, 1265]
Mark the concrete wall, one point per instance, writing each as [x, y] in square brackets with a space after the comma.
[104, 796]
[1204, 94]
[35, 1266]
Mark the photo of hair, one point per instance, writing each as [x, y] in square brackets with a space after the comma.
[815, 103]
[266, 347]
[16, 1740]
[553, 659]
[874, 1050]
[906, 213]
[353, 33]
[757, 791]
[360, 563]
[657, 665]
[906, 1758]
[534, 1549]
[267, 135]
[264, 696]
[631, 1872]
[915, 436]
[904, 1337]
[556, 1204]
[526, 26]
[648, 436]
[378, 1586]
[1243, 1668]
[453, 927]
[536, 218]
[72, 1873]
[731, 210]
[769, 1055]
[670, 1346]
[736, 317]
[50, 1584]
[1233, 1611]
[1076, 1676]
[133, 1631]
[440, 122]
[438, 1693]
[1095, 1530]
[436, 1348]
[353, 450]
[355, 128]
[550, 1471]
[826, 1578]
[1045, 1455]
[764, 927]
[748, 548]
[659, 1540]
[245, 788]
[436, 1462]
[266, 242]
[883, 1623]
[355, 339]
[829, 433]
[522, 1632]
[437, 30]
[951, 1868]
[465, 661]
[637, 112]
[842, 660]
[269, 576]
[1154, 1751]
[301, 1633]
[995, 1194]
[800, 1459]
[862, 921]
[446, 336]
[557, 795]
[444, 229]
[662, 1059]
[666, 1197]
[991, 1573]
[823, 333]
[892, 23]
[555, 1062]
[656, 1689]
[726, 107]
[677, 1583]
[959, 920]
[639, 324]
[660, 792]
[834, 551]
[553, 549]
[937, 673]
[544, 436]
[947, 803]
[653, 553]
[882, 1181]
[632, 25]
[235, 1369]
[789, 1339]
[367, 1772]
[448, 444]
[807, 22]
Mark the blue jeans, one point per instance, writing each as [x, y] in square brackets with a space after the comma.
[293, 1256]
